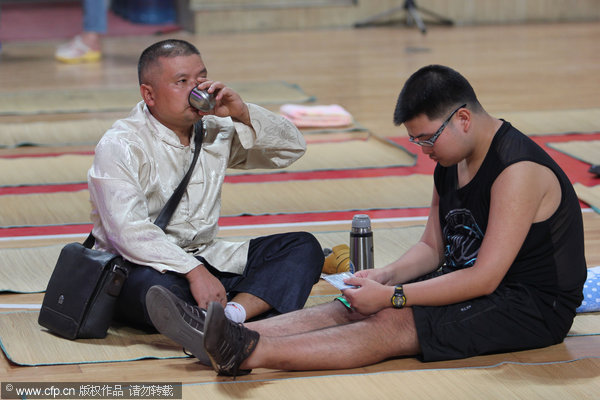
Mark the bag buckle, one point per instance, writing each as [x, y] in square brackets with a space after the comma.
[117, 277]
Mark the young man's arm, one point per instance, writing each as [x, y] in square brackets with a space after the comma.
[423, 257]
[377, 285]
[523, 194]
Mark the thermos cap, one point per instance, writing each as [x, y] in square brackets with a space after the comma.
[361, 221]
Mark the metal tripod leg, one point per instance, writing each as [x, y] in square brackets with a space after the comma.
[413, 15]
[411, 9]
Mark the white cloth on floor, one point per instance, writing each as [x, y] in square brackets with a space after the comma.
[318, 116]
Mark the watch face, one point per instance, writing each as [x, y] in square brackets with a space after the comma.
[398, 301]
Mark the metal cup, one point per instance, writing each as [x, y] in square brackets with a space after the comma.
[201, 100]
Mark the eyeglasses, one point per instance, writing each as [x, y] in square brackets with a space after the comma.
[429, 142]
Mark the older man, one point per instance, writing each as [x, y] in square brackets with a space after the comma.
[138, 164]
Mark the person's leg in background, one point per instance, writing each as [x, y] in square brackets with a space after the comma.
[87, 46]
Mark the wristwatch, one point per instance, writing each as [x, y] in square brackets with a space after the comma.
[398, 299]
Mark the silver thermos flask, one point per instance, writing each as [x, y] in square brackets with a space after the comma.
[361, 243]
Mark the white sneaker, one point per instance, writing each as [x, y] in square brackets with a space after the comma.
[75, 51]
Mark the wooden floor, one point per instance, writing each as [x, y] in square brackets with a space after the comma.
[536, 67]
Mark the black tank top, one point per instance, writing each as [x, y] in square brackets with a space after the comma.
[552, 258]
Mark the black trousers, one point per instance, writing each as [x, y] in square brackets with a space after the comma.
[281, 270]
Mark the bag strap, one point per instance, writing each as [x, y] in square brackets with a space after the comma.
[169, 208]
[167, 212]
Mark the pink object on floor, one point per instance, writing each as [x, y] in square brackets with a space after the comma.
[320, 116]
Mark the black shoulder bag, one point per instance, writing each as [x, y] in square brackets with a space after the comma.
[82, 292]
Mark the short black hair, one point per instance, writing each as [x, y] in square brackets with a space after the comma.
[434, 90]
[164, 48]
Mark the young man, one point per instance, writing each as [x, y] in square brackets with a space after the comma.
[500, 266]
[141, 160]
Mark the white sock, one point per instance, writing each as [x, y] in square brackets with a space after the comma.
[235, 312]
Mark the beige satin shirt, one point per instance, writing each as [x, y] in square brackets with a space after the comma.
[138, 164]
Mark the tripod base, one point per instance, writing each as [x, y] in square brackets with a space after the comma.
[412, 16]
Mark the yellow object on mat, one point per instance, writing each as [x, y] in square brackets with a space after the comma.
[338, 260]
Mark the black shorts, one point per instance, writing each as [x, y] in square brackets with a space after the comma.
[507, 320]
